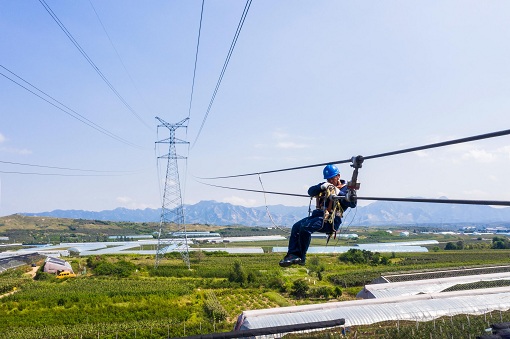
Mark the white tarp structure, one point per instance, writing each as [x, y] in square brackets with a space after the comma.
[415, 287]
[423, 307]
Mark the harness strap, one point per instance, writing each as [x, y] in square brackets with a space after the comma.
[331, 208]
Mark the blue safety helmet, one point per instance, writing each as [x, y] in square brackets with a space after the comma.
[330, 171]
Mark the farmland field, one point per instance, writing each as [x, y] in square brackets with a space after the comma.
[125, 294]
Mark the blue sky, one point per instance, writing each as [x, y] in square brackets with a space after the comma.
[308, 82]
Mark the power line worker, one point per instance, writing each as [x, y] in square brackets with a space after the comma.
[332, 198]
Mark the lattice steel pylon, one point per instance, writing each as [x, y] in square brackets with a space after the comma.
[172, 213]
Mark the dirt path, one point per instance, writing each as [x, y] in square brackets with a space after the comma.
[32, 273]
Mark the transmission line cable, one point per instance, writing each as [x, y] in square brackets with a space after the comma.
[60, 168]
[61, 174]
[191, 98]
[196, 58]
[437, 201]
[407, 150]
[232, 46]
[67, 110]
[89, 60]
[117, 52]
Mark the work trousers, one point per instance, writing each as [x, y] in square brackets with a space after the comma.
[301, 235]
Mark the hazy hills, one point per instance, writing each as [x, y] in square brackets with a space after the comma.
[375, 214]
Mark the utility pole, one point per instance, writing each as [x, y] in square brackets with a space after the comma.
[172, 213]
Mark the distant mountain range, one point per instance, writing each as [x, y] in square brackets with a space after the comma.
[379, 213]
[376, 214]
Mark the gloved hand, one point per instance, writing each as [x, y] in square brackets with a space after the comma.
[351, 196]
[326, 185]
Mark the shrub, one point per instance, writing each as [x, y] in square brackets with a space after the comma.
[355, 256]
[320, 292]
[450, 246]
[299, 288]
[237, 274]
[119, 269]
[500, 243]
[337, 292]
[43, 276]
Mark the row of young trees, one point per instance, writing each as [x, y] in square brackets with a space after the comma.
[498, 243]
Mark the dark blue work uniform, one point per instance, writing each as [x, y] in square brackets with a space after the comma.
[301, 233]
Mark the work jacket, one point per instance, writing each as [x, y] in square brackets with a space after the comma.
[316, 190]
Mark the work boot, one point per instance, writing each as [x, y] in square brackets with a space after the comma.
[290, 259]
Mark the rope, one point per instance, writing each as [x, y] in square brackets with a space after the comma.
[267, 208]
[407, 150]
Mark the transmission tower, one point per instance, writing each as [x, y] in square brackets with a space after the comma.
[172, 213]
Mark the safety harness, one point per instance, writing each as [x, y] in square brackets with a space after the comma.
[329, 202]
[331, 208]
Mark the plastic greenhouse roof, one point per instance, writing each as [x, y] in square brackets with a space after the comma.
[423, 307]
[406, 288]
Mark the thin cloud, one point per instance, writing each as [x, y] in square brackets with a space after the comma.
[476, 194]
[480, 155]
[422, 154]
[130, 203]
[279, 134]
[21, 151]
[290, 144]
[284, 140]
[505, 151]
[5, 149]
[234, 200]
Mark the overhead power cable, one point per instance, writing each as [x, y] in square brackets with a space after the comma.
[232, 46]
[117, 52]
[442, 201]
[437, 201]
[65, 108]
[89, 60]
[196, 58]
[407, 150]
[61, 174]
[191, 96]
[60, 168]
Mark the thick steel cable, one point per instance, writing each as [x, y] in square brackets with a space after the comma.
[437, 201]
[442, 201]
[406, 150]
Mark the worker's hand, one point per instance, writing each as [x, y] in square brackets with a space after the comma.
[351, 196]
[326, 185]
